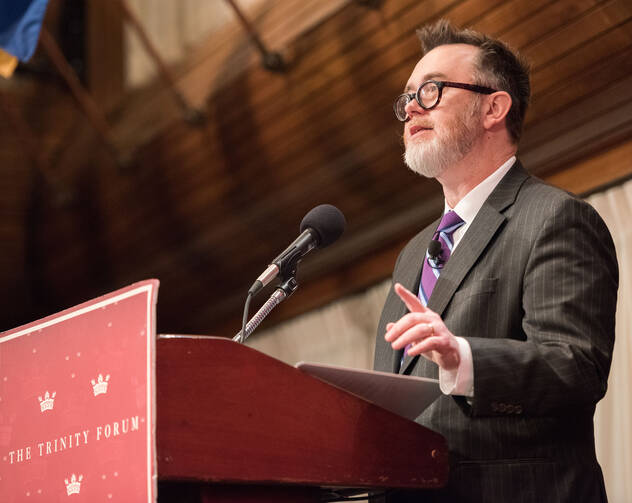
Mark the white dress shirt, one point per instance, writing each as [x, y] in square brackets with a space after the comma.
[461, 380]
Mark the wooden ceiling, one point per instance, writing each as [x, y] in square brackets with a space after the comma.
[204, 208]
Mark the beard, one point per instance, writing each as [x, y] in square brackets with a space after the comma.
[452, 142]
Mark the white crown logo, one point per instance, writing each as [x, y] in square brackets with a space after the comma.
[48, 402]
[74, 486]
[100, 386]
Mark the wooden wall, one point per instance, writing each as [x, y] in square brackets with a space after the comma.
[204, 208]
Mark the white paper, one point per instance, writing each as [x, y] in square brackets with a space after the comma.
[404, 395]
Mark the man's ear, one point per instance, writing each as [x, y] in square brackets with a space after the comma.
[498, 106]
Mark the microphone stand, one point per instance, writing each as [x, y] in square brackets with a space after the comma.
[287, 287]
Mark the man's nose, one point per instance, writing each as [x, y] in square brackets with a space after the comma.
[413, 108]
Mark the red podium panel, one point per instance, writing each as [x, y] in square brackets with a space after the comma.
[76, 396]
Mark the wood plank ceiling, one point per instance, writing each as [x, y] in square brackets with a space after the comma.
[205, 208]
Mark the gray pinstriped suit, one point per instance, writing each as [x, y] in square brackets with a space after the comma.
[532, 286]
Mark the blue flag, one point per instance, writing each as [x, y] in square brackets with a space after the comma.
[20, 25]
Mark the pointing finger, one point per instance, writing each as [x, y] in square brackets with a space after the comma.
[412, 302]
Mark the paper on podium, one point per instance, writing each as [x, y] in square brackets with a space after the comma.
[407, 396]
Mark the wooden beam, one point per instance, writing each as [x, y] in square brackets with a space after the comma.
[87, 103]
[599, 170]
[105, 58]
[190, 113]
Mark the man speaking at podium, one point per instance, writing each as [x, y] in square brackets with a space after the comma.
[509, 298]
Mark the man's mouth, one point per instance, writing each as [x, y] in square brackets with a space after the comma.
[418, 128]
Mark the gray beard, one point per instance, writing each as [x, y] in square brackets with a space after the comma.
[432, 159]
[429, 160]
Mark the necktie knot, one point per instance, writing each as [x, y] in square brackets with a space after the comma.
[450, 222]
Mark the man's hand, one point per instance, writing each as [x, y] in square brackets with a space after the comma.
[425, 330]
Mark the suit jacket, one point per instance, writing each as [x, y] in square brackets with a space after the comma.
[532, 286]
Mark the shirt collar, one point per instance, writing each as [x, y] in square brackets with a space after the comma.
[468, 207]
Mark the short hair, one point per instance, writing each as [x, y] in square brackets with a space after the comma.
[498, 66]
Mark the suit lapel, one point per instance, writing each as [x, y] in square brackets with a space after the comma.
[487, 222]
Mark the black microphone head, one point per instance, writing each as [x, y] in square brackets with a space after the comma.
[327, 221]
[434, 249]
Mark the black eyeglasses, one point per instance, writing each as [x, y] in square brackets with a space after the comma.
[428, 96]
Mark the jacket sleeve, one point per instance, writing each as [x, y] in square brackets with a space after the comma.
[568, 302]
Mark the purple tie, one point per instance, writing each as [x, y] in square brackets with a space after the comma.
[432, 268]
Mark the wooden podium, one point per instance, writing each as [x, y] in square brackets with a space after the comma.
[235, 425]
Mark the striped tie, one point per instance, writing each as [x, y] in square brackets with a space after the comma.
[431, 268]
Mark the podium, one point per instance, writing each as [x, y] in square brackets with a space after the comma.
[235, 425]
[94, 405]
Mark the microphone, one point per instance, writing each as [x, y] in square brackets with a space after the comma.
[434, 251]
[320, 227]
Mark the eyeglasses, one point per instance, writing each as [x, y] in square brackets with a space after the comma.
[428, 96]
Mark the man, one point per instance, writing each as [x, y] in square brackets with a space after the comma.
[520, 289]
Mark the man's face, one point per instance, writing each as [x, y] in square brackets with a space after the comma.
[438, 138]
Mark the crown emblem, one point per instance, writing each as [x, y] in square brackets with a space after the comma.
[74, 486]
[48, 402]
[100, 386]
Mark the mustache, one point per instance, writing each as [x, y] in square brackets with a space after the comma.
[420, 123]
[424, 123]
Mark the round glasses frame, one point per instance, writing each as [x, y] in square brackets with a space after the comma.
[399, 107]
